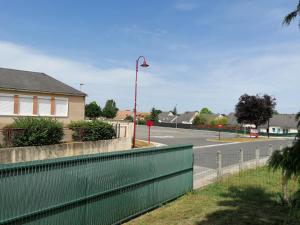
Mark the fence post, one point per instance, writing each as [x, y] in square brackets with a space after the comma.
[257, 151]
[270, 150]
[241, 159]
[219, 165]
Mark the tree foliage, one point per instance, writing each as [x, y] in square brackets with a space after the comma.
[255, 109]
[219, 121]
[154, 114]
[92, 110]
[200, 119]
[174, 111]
[292, 15]
[205, 110]
[110, 109]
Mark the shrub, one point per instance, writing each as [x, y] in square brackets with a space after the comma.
[199, 120]
[92, 130]
[30, 131]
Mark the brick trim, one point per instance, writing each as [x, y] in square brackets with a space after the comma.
[16, 104]
[52, 106]
[35, 105]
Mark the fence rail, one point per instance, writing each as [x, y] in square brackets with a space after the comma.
[97, 189]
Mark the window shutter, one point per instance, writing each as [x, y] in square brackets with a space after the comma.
[6, 105]
[61, 107]
[44, 106]
[26, 105]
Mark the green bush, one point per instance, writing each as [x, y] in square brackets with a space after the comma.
[30, 131]
[92, 130]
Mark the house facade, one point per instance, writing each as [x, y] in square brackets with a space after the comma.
[26, 93]
[281, 124]
[167, 117]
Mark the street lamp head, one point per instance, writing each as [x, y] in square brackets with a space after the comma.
[144, 64]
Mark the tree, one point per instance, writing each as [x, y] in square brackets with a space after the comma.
[275, 112]
[292, 15]
[255, 109]
[174, 111]
[205, 111]
[199, 120]
[298, 119]
[129, 118]
[92, 110]
[110, 109]
[219, 121]
[154, 114]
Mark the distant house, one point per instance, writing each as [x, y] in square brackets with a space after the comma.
[167, 117]
[187, 117]
[123, 114]
[142, 115]
[232, 121]
[25, 93]
[281, 124]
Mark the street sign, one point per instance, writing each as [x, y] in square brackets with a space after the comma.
[149, 123]
[219, 126]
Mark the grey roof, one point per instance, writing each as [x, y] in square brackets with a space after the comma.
[186, 117]
[232, 120]
[283, 121]
[166, 117]
[33, 81]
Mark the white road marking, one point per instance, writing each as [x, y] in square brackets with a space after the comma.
[216, 145]
[163, 137]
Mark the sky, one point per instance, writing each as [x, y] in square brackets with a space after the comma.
[201, 53]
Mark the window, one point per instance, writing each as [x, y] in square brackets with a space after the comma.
[44, 106]
[25, 105]
[273, 130]
[6, 105]
[61, 107]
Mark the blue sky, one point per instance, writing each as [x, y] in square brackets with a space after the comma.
[201, 53]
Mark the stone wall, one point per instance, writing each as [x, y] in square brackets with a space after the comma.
[22, 154]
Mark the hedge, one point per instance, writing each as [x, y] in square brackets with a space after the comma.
[92, 130]
[31, 131]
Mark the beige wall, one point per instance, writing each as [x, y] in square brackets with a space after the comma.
[76, 107]
[31, 153]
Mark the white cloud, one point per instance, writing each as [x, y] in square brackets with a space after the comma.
[185, 6]
[271, 69]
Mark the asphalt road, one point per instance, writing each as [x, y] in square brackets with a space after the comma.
[205, 151]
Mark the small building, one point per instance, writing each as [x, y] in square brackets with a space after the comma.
[281, 124]
[167, 117]
[123, 114]
[187, 117]
[26, 93]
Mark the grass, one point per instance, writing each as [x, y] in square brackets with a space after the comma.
[249, 198]
[142, 144]
[240, 139]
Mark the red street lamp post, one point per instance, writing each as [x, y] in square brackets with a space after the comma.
[144, 64]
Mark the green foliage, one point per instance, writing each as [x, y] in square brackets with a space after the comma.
[30, 131]
[200, 120]
[255, 109]
[92, 110]
[219, 121]
[129, 118]
[205, 111]
[174, 111]
[110, 109]
[292, 15]
[92, 130]
[154, 115]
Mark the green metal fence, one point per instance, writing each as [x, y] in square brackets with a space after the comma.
[96, 189]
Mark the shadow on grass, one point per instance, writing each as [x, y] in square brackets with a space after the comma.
[249, 206]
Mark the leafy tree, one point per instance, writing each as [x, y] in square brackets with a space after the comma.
[110, 109]
[205, 111]
[219, 121]
[92, 110]
[174, 111]
[298, 119]
[292, 15]
[255, 109]
[200, 120]
[154, 114]
[129, 118]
